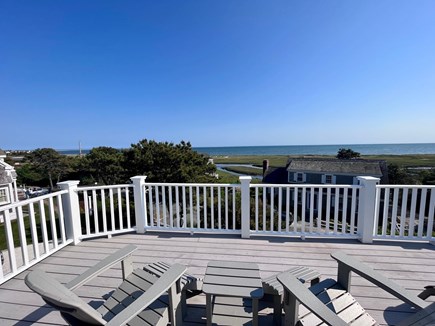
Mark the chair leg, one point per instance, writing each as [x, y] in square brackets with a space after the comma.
[277, 310]
[427, 292]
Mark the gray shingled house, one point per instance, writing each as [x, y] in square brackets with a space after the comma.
[8, 186]
[319, 171]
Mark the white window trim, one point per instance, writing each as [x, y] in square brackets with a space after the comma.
[296, 174]
[6, 190]
[333, 179]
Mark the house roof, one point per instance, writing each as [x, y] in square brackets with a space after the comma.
[275, 175]
[2, 153]
[336, 166]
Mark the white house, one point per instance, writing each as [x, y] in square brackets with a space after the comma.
[8, 184]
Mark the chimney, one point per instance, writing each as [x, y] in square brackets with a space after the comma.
[265, 166]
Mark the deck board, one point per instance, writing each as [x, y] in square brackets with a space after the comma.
[411, 265]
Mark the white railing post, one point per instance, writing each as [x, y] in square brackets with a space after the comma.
[70, 204]
[139, 203]
[366, 208]
[246, 218]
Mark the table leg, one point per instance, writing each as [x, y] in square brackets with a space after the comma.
[208, 309]
[255, 312]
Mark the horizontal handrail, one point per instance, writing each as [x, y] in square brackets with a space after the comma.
[104, 187]
[32, 200]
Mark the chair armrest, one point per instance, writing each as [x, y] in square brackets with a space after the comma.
[101, 266]
[427, 292]
[162, 285]
[303, 295]
[347, 263]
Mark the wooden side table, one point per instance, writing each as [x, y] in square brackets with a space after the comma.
[232, 279]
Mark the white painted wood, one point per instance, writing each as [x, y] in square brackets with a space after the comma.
[165, 224]
[103, 210]
[279, 209]
[303, 213]
[52, 222]
[366, 214]
[127, 206]
[234, 207]
[10, 242]
[328, 209]
[412, 212]
[86, 202]
[43, 225]
[295, 208]
[394, 213]
[385, 213]
[272, 197]
[431, 216]
[171, 210]
[198, 211]
[95, 211]
[191, 207]
[226, 208]
[287, 209]
[60, 214]
[264, 208]
[245, 182]
[403, 212]
[212, 207]
[33, 230]
[344, 211]
[205, 217]
[22, 235]
[353, 210]
[319, 210]
[311, 225]
[184, 208]
[421, 213]
[336, 207]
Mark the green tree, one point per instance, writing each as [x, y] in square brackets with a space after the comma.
[347, 154]
[398, 175]
[49, 163]
[168, 162]
[105, 165]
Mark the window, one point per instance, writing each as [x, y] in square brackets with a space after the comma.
[328, 179]
[299, 177]
[4, 196]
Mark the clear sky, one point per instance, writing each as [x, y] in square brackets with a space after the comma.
[216, 73]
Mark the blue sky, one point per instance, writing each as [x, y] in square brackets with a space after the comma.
[216, 73]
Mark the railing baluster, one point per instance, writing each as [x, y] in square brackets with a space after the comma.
[287, 209]
[234, 208]
[95, 211]
[304, 194]
[386, 209]
[394, 213]
[177, 204]
[157, 194]
[279, 208]
[103, 210]
[226, 208]
[184, 208]
[53, 222]
[165, 224]
[219, 209]
[171, 210]
[328, 209]
[421, 212]
[264, 208]
[191, 206]
[272, 196]
[353, 210]
[256, 208]
[319, 210]
[412, 212]
[61, 219]
[403, 211]
[86, 202]
[127, 206]
[34, 232]
[336, 208]
[295, 209]
[431, 216]
[112, 210]
[44, 226]
[212, 207]
[204, 189]
[22, 235]
[344, 211]
[10, 242]
[198, 222]
[311, 209]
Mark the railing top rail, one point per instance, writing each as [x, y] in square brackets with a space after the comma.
[302, 185]
[32, 200]
[193, 184]
[406, 186]
[104, 187]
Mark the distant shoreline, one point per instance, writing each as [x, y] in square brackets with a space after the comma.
[364, 149]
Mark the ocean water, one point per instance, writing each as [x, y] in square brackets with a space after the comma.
[367, 149]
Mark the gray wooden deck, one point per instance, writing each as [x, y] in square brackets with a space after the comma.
[412, 265]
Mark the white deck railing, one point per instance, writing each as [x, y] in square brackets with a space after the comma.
[33, 230]
[36, 228]
[304, 210]
[196, 207]
[405, 212]
[105, 210]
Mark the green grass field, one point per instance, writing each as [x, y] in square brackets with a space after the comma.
[426, 160]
